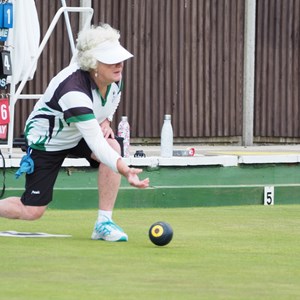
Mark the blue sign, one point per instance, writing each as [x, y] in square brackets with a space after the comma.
[7, 15]
[1, 15]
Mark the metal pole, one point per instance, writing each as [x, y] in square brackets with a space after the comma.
[82, 17]
[68, 25]
[249, 73]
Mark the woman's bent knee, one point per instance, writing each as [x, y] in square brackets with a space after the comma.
[32, 213]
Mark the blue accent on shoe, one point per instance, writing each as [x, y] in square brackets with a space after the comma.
[102, 227]
[109, 231]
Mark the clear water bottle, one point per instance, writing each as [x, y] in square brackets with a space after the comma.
[166, 141]
[124, 132]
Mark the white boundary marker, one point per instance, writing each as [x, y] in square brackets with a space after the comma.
[19, 234]
[269, 195]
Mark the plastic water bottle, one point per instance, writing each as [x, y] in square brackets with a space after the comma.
[124, 132]
[166, 142]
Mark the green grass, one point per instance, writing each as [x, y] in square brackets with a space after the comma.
[245, 252]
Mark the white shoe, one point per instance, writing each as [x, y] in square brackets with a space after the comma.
[109, 231]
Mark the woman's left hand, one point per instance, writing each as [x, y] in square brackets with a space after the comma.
[106, 129]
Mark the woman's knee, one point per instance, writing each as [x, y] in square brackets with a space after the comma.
[33, 212]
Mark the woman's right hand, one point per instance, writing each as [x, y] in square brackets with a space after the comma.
[131, 174]
[133, 179]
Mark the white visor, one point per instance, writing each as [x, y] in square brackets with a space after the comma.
[110, 52]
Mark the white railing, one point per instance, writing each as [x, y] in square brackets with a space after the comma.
[15, 95]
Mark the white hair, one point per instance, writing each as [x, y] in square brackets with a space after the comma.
[90, 38]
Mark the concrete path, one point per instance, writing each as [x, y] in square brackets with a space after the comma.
[204, 155]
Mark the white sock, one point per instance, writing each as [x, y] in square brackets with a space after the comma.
[103, 215]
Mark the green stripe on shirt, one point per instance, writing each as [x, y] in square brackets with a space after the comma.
[81, 118]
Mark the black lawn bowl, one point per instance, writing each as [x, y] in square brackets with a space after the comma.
[160, 233]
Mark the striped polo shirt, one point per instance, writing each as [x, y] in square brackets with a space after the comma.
[72, 96]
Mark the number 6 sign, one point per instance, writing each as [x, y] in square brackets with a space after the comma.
[4, 111]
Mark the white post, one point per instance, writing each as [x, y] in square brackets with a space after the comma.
[68, 26]
[249, 71]
[82, 17]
